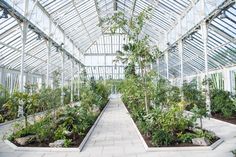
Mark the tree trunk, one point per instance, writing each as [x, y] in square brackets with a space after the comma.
[26, 121]
[145, 88]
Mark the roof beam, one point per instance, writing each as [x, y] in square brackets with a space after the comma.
[208, 17]
[222, 33]
[47, 36]
[100, 54]
[81, 19]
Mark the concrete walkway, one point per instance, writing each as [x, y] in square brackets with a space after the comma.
[115, 136]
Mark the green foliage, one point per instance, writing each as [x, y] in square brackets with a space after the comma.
[165, 124]
[29, 103]
[83, 77]
[161, 92]
[222, 102]
[138, 50]
[130, 70]
[162, 138]
[192, 95]
[203, 133]
[68, 142]
[74, 120]
[4, 95]
[43, 129]
[10, 109]
[186, 137]
[166, 94]
[198, 113]
[49, 98]
[56, 78]
[60, 133]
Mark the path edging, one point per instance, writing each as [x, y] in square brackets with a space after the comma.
[48, 149]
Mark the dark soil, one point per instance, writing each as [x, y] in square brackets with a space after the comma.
[231, 120]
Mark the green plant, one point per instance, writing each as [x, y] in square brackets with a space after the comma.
[198, 113]
[1, 118]
[28, 103]
[186, 137]
[138, 50]
[56, 78]
[222, 102]
[192, 95]
[203, 133]
[162, 138]
[59, 133]
[4, 95]
[67, 142]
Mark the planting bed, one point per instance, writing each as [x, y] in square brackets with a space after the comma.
[69, 126]
[231, 120]
[76, 145]
[146, 140]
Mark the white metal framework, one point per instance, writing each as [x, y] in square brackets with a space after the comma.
[38, 37]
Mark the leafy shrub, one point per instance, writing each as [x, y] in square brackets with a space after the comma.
[193, 96]
[4, 95]
[67, 143]
[222, 102]
[186, 137]
[162, 138]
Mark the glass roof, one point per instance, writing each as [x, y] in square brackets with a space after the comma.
[75, 24]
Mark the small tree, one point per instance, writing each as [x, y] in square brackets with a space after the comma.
[138, 50]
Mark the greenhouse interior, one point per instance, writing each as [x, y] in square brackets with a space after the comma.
[117, 78]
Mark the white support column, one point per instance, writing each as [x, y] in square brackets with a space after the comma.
[180, 48]
[227, 79]
[24, 29]
[78, 79]
[105, 71]
[48, 64]
[167, 65]
[72, 81]
[205, 50]
[62, 77]
[49, 45]
[23, 39]
[112, 73]
[2, 78]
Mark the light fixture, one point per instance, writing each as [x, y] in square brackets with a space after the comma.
[223, 15]
[57, 49]
[168, 44]
[190, 37]
[38, 36]
[62, 44]
[4, 14]
[115, 5]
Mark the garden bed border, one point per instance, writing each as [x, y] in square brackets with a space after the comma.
[163, 149]
[61, 149]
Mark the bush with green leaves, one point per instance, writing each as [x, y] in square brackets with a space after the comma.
[193, 96]
[4, 95]
[223, 103]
